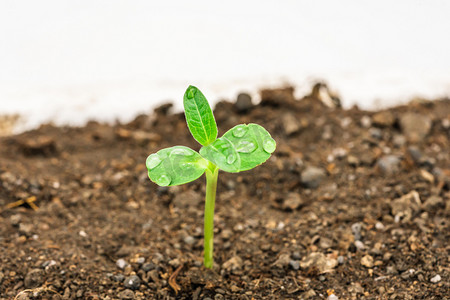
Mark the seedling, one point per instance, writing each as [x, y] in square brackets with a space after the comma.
[241, 148]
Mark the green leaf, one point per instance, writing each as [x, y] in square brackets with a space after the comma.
[199, 116]
[241, 148]
[175, 165]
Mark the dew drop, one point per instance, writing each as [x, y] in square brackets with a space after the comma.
[240, 131]
[191, 92]
[269, 145]
[163, 180]
[153, 161]
[246, 147]
[181, 151]
[231, 158]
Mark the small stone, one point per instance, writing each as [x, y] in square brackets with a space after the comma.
[399, 140]
[118, 277]
[433, 203]
[341, 259]
[292, 202]
[190, 240]
[296, 255]
[294, 264]
[356, 288]
[121, 263]
[356, 230]
[132, 282]
[436, 279]
[389, 164]
[359, 245]
[234, 263]
[291, 124]
[34, 278]
[404, 207]
[319, 262]
[283, 260]
[309, 294]
[376, 133]
[367, 261]
[126, 295]
[187, 199]
[415, 126]
[366, 121]
[243, 103]
[148, 267]
[332, 297]
[379, 226]
[383, 119]
[311, 177]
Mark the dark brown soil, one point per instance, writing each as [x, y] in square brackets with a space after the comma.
[353, 204]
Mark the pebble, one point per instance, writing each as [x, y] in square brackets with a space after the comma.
[359, 245]
[433, 202]
[296, 255]
[291, 124]
[367, 261]
[366, 121]
[356, 230]
[34, 278]
[190, 240]
[383, 119]
[243, 103]
[118, 277]
[332, 297]
[187, 199]
[121, 263]
[415, 126]
[319, 262]
[126, 295]
[283, 260]
[436, 279]
[389, 164]
[132, 282]
[294, 264]
[148, 267]
[341, 259]
[292, 202]
[309, 294]
[379, 226]
[404, 207]
[311, 177]
[234, 263]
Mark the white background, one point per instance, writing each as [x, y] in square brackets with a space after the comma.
[70, 61]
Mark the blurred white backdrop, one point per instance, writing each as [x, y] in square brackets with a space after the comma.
[71, 61]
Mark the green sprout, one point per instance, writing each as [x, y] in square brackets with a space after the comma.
[241, 148]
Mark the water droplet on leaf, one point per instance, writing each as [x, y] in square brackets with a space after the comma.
[191, 92]
[163, 180]
[269, 145]
[240, 131]
[153, 161]
[245, 147]
[231, 159]
[181, 151]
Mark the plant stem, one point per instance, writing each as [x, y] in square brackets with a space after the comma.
[211, 185]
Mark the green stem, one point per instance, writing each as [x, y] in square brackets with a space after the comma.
[211, 185]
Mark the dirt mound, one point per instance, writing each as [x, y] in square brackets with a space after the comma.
[353, 204]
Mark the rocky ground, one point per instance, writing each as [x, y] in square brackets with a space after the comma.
[352, 205]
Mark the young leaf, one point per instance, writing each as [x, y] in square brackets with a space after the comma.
[241, 148]
[199, 116]
[175, 165]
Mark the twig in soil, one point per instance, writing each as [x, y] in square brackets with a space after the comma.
[173, 284]
[30, 201]
[37, 290]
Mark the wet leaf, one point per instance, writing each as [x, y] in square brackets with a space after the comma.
[175, 165]
[241, 148]
[199, 116]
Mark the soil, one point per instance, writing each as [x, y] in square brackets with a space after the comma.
[352, 205]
